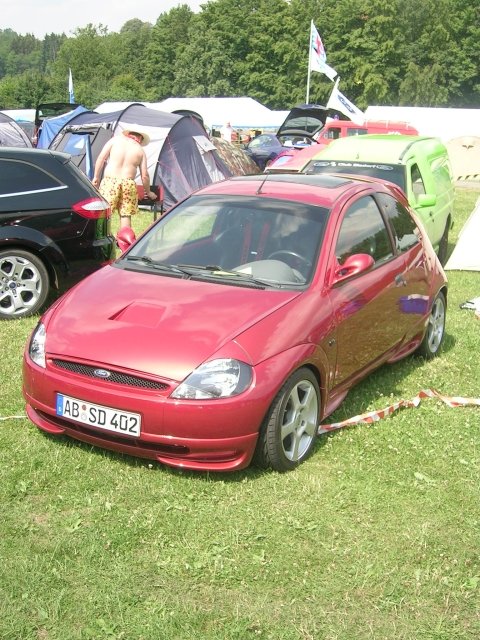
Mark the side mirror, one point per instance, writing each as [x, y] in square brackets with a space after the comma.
[426, 200]
[353, 265]
[125, 238]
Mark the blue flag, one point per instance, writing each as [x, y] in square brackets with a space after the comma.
[70, 87]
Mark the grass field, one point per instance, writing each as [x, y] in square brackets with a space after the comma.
[375, 537]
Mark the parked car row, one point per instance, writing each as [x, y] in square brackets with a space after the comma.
[307, 130]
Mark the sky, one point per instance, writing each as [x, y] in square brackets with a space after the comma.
[65, 16]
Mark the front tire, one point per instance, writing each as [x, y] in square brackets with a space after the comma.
[24, 284]
[290, 427]
[435, 332]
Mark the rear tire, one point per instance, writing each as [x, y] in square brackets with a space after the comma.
[289, 431]
[24, 284]
[435, 332]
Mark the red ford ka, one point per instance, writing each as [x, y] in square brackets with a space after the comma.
[238, 322]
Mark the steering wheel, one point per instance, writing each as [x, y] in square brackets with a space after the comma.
[292, 254]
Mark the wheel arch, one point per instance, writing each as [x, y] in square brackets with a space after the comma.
[286, 363]
[444, 290]
[40, 245]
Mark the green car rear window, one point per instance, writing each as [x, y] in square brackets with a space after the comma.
[392, 173]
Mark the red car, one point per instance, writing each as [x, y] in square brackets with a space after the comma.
[238, 322]
[294, 160]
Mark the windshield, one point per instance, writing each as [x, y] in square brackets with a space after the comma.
[233, 238]
[393, 173]
[264, 140]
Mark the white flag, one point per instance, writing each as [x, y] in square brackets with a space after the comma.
[317, 55]
[340, 103]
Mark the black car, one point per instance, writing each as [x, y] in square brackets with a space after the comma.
[297, 130]
[264, 148]
[54, 228]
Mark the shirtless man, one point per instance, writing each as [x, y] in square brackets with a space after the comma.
[125, 157]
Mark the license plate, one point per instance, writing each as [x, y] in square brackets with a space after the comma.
[96, 415]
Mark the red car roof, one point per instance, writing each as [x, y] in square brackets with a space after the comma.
[322, 190]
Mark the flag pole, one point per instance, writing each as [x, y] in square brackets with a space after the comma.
[309, 62]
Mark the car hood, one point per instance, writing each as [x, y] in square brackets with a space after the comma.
[306, 119]
[155, 324]
[294, 160]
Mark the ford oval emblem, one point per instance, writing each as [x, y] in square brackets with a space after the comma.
[102, 373]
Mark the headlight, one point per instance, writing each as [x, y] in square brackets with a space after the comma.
[215, 379]
[36, 350]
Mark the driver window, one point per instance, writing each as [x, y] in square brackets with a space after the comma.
[404, 226]
[417, 183]
[363, 230]
[333, 133]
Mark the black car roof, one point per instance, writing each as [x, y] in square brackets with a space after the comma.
[31, 154]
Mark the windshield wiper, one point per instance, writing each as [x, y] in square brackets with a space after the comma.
[227, 274]
[212, 268]
[159, 266]
[207, 271]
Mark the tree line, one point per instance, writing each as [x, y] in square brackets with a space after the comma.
[386, 52]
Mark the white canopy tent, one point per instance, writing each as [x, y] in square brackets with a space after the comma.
[111, 107]
[443, 123]
[242, 113]
[20, 115]
[466, 256]
[459, 130]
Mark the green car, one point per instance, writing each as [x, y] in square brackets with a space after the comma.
[419, 165]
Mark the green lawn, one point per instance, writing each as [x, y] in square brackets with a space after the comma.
[375, 537]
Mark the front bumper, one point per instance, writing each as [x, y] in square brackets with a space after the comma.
[218, 435]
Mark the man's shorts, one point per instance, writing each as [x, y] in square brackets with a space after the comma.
[121, 193]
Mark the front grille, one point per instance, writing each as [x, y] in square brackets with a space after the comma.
[115, 376]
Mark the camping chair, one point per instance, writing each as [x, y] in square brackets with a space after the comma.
[154, 205]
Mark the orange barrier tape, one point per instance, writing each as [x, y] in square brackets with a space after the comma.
[375, 416]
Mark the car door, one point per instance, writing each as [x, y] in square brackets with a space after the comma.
[34, 194]
[416, 189]
[368, 317]
[415, 277]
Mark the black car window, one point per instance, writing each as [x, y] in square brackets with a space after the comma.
[333, 133]
[363, 230]
[263, 141]
[17, 177]
[418, 186]
[404, 226]
[392, 173]
[356, 132]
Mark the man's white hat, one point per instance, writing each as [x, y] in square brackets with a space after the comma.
[140, 131]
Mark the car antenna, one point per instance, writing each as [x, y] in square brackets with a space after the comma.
[261, 185]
